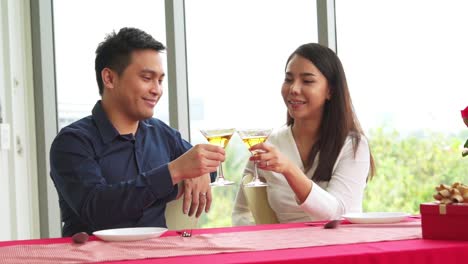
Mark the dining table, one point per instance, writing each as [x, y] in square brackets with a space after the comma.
[305, 242]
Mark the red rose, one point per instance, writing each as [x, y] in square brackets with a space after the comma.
[464, 114]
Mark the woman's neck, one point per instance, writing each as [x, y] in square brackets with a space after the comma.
[305, 134]
[306, 130]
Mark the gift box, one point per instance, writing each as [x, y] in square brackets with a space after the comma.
[444, 221]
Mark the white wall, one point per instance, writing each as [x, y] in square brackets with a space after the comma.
[18, 178]
[5, 222]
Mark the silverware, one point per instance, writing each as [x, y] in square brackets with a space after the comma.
[186, 233]
[193, 224]
[335, 223]
[80, 238]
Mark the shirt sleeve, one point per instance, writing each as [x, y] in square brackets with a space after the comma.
[181, 145]
[345, 189]
[241, 214]
[159, 179]
[80, 183]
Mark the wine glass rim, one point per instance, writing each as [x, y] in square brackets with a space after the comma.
[255, 129]
[248, 133]
[218, 129]
[217, 132]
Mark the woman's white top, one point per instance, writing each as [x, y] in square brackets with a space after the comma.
[327, 199]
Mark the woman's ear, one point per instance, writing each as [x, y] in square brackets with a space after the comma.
[108, 78]
[329, 93]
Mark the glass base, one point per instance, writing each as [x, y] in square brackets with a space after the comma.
[221, 182]
[256, 183]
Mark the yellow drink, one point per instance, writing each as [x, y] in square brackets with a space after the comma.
[254, 140]
[219, 140]
[219, 137]
[252, 137]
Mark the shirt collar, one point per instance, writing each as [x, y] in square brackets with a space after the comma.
[106, 129]
[142, 128]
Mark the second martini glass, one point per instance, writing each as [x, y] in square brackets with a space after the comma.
[219, 137]
[252, 137]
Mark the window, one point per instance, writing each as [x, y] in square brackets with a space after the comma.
[79, 26]
[405, 62]
[236, 56]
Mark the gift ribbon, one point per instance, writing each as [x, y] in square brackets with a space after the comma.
[442, 209]
[457, 193]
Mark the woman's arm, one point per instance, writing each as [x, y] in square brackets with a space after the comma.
[345, 189]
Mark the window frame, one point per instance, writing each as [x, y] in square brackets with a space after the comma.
[46, 97]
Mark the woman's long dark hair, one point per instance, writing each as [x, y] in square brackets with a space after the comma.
[339, 120]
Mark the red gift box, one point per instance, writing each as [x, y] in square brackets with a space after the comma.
[447, 222]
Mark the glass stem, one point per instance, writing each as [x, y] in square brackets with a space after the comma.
[220, 171]
[255, 179]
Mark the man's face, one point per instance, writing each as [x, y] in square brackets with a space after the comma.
[139, 87]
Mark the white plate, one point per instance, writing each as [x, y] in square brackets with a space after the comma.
[375, 217]
[130, 234]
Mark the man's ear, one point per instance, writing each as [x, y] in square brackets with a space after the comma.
[108, 78]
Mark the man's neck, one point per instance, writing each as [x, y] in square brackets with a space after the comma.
[119, 120]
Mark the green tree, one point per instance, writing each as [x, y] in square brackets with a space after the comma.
[409, 168]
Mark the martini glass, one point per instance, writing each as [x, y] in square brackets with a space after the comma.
[252, 137]
[219, 137]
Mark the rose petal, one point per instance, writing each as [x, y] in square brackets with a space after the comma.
[464, 112]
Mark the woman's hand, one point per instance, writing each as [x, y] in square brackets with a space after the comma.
[271, 159]
[268, 157]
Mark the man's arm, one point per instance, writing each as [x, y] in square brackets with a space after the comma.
[79, 180]
[200, 160]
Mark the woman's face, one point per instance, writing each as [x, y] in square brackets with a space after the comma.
[304, 90]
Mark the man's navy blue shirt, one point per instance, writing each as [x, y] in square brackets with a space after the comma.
[107, 180]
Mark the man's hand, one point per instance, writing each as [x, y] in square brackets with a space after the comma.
[197, 195]
[199, 160]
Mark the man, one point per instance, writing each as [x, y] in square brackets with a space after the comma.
[119, 167]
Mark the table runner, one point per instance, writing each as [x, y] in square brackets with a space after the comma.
[100, 251]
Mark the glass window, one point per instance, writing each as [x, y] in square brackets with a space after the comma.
[406, 65]
[236, 52]
[79, 26]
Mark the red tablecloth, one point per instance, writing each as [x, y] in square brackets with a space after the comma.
[405, 251]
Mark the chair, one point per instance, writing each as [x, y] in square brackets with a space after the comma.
[175, 219]
[258, 203]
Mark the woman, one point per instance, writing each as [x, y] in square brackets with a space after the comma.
[317, 165]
